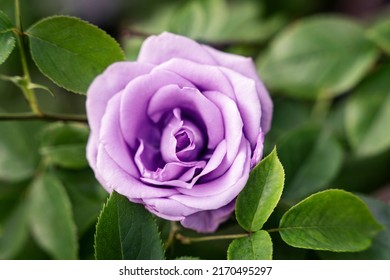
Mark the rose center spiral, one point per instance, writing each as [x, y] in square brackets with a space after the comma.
[183, 140]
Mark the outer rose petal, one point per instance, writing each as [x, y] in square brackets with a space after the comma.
[106, 85]
[208, 221]
[103, 88]
[161, 48]
[245, 66]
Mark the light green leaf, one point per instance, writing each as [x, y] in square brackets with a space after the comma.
[380, 34]
[368, 115]
[71, 52]
[51, 218]
[64, 144]
[127, 231]
[13, 232]
[325, 55]
[261, 194]
[333, 220]
[7, 39]
[311, 159]
[214, 21]
[17, 160]
[257, 246]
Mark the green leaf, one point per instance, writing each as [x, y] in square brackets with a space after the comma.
[13, 232]
[86, 195]
[333, 220]
[380, 248]
[380, 34]
[7, 39]
[311, 159]
[257, 246]
[368, 113]
[71, 52]
[261, 194]
[127, 231]
[287, 115]
[17, 160]
[325, 55]
[51, 218]
[64, 144]
[214, 21]
[10, 195]
[187, 258]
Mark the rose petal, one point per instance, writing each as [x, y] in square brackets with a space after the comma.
[208, 221]
[231, 119]
[135, 122]
[181, 140]
[181, 181]
[161, 48]
[110, 82]
[168, 207]
[219, 192]
[245, 66]
[248, 103]
[112, 139]
[258, 152]
[204, 77]
[176, 171]
[117, 179]
[215, 194]
[192, 101]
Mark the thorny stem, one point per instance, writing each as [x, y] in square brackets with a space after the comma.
[321, 107]
[172, 233]
[42, 116]
[28, 92]
[188, 240]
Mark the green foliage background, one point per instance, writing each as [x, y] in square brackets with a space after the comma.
[326, 66]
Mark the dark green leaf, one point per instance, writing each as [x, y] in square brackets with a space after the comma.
[364, 174]
[380, 34]
[86, 195]
[127, 231]
[51, 218]
[71, 52]
[13, 232]
[287, 115]
[333, 220]
[311, 159]
[10, 194]
[7, 39]
[257, 246]
[368, 115]
[261, 194]
[64, 144]
[17, 160]
[319, 55]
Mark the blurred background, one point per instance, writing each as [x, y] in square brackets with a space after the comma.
[253, 21]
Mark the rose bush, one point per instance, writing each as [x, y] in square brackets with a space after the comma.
[179, 129]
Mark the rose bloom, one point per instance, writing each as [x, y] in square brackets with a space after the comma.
[179, 130]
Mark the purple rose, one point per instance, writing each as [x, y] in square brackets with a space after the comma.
[178, 130]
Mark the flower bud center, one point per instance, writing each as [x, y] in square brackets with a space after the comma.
[182, 140]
